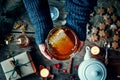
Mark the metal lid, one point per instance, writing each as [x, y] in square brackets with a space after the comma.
[92, 70]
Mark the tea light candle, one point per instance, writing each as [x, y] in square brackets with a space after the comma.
[19, 41]
[95, 50]
[44, 72]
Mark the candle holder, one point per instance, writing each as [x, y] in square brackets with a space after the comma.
[95, 50]
[23, 41]
[45, 72]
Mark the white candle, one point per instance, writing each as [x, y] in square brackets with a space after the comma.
[95, 50]
[44, 72]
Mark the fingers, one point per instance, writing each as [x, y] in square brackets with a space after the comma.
[43, 50]
[81, 44]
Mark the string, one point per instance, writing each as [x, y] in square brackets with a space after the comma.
[16, 64]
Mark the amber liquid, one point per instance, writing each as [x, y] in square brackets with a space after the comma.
[62, 42]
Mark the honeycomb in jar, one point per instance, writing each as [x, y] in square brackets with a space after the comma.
[61, 42]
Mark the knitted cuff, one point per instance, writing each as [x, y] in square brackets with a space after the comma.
[79, 28]
[39, 14]
[86, 3]
[78, 16]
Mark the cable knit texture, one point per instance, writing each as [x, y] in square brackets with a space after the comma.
[78, 16]
[39, 14]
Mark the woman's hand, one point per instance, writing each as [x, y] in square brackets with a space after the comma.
[81, 44]
[43, 49]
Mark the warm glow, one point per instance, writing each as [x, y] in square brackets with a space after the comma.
[44, 72]
[61, 42]
[95, 50]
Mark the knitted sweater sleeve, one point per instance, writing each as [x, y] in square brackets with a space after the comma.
[39, 14]
[78, 15]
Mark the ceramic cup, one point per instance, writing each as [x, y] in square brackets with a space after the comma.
[54, 12]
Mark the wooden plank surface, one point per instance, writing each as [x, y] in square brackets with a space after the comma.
[40, 59]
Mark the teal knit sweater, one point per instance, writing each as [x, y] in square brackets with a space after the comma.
[39, 13]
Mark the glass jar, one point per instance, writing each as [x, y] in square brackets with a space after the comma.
[62, 42]
[23, 40]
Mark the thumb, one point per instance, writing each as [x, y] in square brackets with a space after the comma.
[43, 49]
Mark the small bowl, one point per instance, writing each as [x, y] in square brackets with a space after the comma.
[54, 12]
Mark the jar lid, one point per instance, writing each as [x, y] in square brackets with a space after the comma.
[92, 70]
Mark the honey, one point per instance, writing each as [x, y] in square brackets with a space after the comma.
[62, 43]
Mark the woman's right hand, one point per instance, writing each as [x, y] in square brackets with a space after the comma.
[43, 49]
[81, 44]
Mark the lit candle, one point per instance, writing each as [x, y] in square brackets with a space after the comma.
[95, 50]
[44, 72]
[19, 41]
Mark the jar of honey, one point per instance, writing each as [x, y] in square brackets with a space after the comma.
[62, 42]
